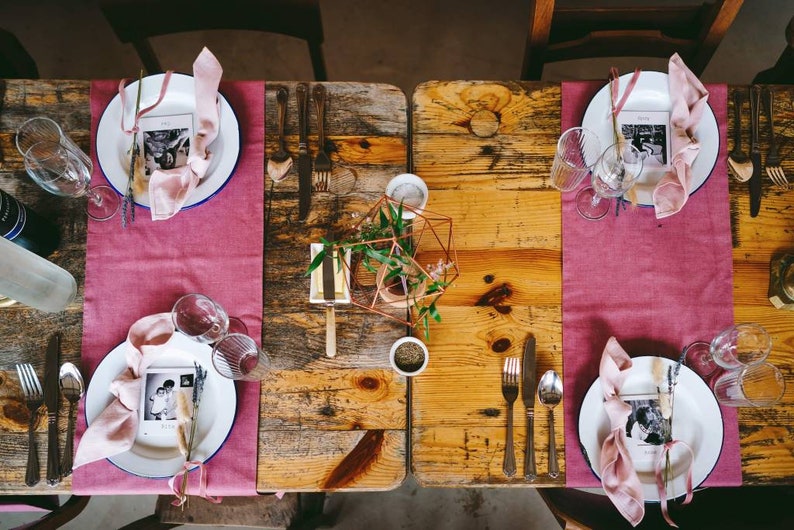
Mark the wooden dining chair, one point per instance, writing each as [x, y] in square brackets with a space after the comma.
[748, 508]
[15, 61]
[561, 33]
[136, 21]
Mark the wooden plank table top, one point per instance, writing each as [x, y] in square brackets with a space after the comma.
[485, 150]
[324, 424]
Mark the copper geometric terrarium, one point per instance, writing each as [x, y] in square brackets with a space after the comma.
[400, 258]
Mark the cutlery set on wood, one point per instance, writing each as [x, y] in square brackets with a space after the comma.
[549, 393]
[68, 381]
[749, 169]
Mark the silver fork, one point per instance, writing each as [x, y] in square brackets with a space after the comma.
[510, 393]
[322, 163]
[773, 168]
[34, 397]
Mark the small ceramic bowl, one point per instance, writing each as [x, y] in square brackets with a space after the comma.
[411, 365]
[411, 191]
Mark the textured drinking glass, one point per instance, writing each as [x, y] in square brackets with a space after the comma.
[200, 318]
[578, 150]
[741, 345]
[757, 385]
[697, 356]
[615, 172]
[236, 356]
[41, 129]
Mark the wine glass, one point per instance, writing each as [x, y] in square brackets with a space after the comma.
[577, 152]
[58, 165]
[60, 171]
[615, 172]
[203, 319]
[741, 345]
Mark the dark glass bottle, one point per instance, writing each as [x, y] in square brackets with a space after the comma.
[26, 228]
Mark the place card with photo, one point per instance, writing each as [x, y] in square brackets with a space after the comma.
[165, 141]
[647, 430]
[648, 131]
[159, 389]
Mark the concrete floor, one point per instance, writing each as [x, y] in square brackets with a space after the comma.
[398, 42]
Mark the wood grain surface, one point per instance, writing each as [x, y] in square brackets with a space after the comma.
[485, 150]
[314, 410]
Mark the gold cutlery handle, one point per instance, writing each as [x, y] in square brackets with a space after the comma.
[281, 99]
[330, 330]
[318, 95]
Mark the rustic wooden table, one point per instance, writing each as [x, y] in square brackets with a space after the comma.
[485, 149]
[325, 424]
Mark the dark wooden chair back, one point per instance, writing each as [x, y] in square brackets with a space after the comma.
[748, 508]
[15, 61]
[135, 21]
[563, 33]
[783, 71]
[59, 514]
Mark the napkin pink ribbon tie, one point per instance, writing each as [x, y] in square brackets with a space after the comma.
[179, 491]
[618, 476]
[142, 112]
[660, 485]
[614, 81]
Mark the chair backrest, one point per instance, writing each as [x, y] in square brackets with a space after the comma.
[783, 71]
[135, 21]
[563, 33]
[57, 514]
[15, 61]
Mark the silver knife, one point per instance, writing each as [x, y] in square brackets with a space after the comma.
[755, 152]
[529, 384]
[304, 159]
[52, 398]
[329, 293]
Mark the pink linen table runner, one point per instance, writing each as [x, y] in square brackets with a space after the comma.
[215, 248]
[655, 284]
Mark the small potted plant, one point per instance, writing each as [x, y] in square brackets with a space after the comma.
[386, 249]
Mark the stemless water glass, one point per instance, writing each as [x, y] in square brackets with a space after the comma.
[756, 385]
[236, 356]
[58, 165]
[615, 172]
[741, 345]
[578, 150]
[200, 318]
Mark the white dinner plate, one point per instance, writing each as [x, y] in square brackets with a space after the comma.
[697, 420]
[179, 99]
[651, 94]
[158, 457]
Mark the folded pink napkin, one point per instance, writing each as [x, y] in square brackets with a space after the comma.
[114, 430]
[689, 98]
[169, 189]
[620, 480]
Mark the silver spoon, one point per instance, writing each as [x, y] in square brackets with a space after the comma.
[550, 395]
[739, 163]
[72, 386]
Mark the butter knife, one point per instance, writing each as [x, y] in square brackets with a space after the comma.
[52, 398]
[755, 152]
[528, 386]
[304, 160]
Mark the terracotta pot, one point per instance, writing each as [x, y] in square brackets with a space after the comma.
[392, 290]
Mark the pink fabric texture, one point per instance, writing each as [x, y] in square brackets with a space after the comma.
[215, 248]
[689, 99]
[620, 480]
[114, 430]
[656, 285]
[169, 189]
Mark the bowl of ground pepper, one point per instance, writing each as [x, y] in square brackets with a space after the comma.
[408, 356]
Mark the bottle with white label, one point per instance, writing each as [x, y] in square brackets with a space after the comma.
[32, 280]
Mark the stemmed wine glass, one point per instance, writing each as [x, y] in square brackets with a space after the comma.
[58, 165]
[615, 172]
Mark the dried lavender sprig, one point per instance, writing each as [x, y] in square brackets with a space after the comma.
[128, 202]
[198, 389]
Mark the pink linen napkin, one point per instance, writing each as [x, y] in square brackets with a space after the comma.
[169, 189]
[618, 476]
[662, 284]
[689, 99]
[215, 248]
[114, 430]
